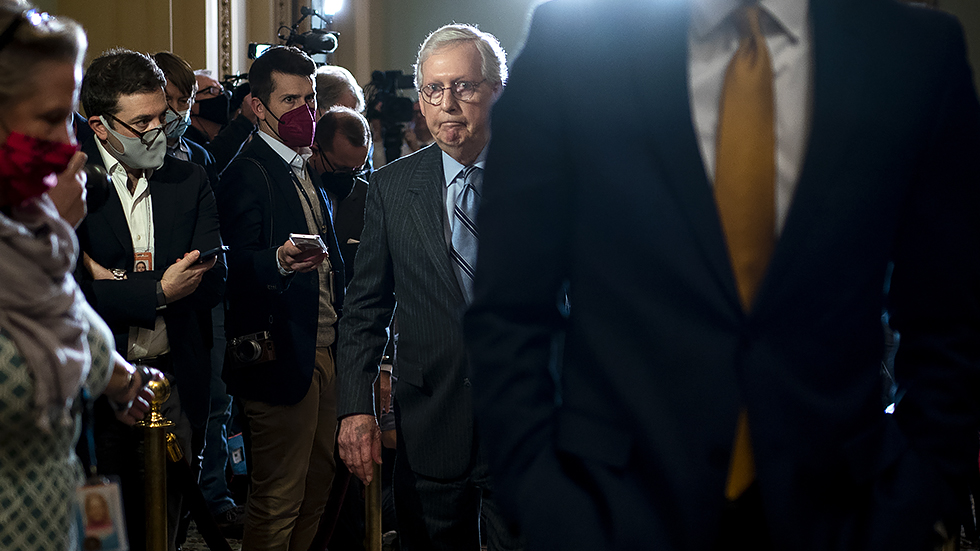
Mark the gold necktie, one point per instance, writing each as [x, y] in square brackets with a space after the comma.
[745, 190]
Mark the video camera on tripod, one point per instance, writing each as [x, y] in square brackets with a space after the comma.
[393, 110]
[316, 41]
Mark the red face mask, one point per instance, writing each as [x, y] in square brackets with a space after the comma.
[28, 166]
[297, 127]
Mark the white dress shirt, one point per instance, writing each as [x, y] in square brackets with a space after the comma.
[713, 40]
[138, 208]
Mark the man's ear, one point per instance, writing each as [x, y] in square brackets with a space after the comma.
[258, 108]
[497, 90]
[95, 123]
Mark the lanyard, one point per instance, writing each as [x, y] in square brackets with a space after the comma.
[313, 211]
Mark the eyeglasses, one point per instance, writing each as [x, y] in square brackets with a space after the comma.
[147, 137]
[462, 90]
[351, 172]
[171, 126]
[210, 90]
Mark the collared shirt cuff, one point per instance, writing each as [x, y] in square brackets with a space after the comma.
[282, 271]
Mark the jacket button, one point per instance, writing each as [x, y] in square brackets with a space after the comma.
[466, 382]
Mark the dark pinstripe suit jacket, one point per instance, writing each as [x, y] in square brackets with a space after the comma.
[403, 260]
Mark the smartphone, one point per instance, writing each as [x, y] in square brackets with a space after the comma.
[206, 256]
[307, 242]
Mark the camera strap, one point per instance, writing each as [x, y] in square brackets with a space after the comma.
[272, 204]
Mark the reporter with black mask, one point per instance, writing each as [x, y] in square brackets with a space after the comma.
[340, 152]
[211, 124]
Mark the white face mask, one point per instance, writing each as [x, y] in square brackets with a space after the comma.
[176, 123]
[143, 153]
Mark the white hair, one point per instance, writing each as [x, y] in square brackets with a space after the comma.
[494, 65]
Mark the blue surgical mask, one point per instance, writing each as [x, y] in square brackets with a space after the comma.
[176, 123]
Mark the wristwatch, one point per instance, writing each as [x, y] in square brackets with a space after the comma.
[118, 273]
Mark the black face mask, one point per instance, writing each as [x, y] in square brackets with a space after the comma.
[215, 109]
[341, 184]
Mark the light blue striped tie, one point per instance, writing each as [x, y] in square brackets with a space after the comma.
[465, 235]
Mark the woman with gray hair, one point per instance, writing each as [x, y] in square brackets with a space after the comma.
[52, 344]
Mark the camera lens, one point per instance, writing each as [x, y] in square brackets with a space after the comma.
[248, 351]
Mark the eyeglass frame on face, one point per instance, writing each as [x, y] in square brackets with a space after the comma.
[167, 125]
[161, 129]
[431, 90]
[345, 172]
[215, 91]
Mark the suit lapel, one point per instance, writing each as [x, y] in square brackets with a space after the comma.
[425, 191]
[835, 107]
[661, 97]
[336, 258]
[112, 210]
[282, 183]
[115, 218]
[164, 202]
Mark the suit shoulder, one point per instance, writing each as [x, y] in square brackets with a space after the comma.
[198, 152]
[404, 167]
[177, 171]
[911, 22]
[248, 164]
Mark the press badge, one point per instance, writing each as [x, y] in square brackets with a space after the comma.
[101, 520]
[143, 262]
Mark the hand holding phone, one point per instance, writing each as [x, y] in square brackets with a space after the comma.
[307, 242]
[302, 252]
[206, 256]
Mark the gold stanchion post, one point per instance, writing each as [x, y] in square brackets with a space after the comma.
[155, 431]
[372, 512]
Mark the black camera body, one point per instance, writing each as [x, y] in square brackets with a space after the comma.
[253, 349]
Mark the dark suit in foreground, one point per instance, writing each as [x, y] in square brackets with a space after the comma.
[595, 182]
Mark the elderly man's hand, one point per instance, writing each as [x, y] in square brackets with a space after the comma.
[360, 445]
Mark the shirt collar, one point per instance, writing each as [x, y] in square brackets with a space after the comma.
[790, 15]
[451, 167]
[119, 176]
[296, 159]
[179, 146]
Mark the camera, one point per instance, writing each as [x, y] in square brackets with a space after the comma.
[316, 41]
[251, 349]
[393, 110]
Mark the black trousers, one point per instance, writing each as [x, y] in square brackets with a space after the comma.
[445, 515]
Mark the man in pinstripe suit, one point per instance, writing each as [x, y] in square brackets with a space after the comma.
[411, 256]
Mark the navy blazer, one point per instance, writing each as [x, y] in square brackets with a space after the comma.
[257, 216]
[595, 183]
[184, 219]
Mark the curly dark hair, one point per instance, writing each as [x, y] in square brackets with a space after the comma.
[118, 72]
